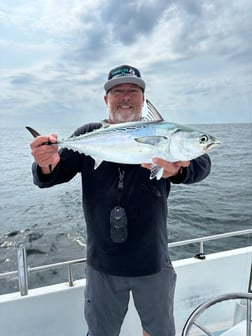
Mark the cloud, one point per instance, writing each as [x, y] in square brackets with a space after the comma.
[194, 55]
[129, 20]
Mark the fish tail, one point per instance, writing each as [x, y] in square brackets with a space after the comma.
[33, 132]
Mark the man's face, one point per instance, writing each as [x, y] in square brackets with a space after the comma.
[125, 103]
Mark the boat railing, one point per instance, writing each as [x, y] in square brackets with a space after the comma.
[202, 240]
[23, 270]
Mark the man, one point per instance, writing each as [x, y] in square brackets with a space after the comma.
[135, 257]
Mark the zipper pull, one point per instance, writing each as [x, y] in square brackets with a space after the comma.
[121, 179]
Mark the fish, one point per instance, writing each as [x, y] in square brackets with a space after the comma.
[139, 142]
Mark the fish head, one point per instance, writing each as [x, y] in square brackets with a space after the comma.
[187, 144]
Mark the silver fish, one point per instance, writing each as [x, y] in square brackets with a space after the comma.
[139, 142]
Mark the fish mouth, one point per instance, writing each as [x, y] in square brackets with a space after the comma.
[211, 145]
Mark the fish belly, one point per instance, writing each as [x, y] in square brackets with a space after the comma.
[119, 149]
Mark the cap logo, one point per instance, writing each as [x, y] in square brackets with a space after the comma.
[123, 72]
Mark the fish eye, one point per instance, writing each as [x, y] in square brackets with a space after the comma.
[203, 138]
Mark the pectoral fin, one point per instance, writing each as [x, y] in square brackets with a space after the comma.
[97, 163]
[151, 140]
[156, 172]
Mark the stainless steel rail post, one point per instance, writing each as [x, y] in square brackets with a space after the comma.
[248, 326]
[22, 270]
[70, 276]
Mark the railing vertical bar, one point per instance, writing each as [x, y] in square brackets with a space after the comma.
[70, 275]
[22, 270]
[249, 302]
[201, 247]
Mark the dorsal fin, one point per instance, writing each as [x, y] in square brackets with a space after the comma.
[152, 114]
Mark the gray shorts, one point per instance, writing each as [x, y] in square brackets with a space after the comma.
[107, 298]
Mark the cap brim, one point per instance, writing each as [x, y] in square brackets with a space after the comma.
[124, 80]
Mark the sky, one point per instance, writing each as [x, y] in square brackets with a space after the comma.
[194, 55]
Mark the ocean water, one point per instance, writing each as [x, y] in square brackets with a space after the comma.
[50, 223]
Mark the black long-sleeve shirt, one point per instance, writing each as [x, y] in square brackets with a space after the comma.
[145, 201]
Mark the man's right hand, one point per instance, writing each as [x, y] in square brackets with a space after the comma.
[46, 156]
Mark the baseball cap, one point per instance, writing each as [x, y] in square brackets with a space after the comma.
[124, 74]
